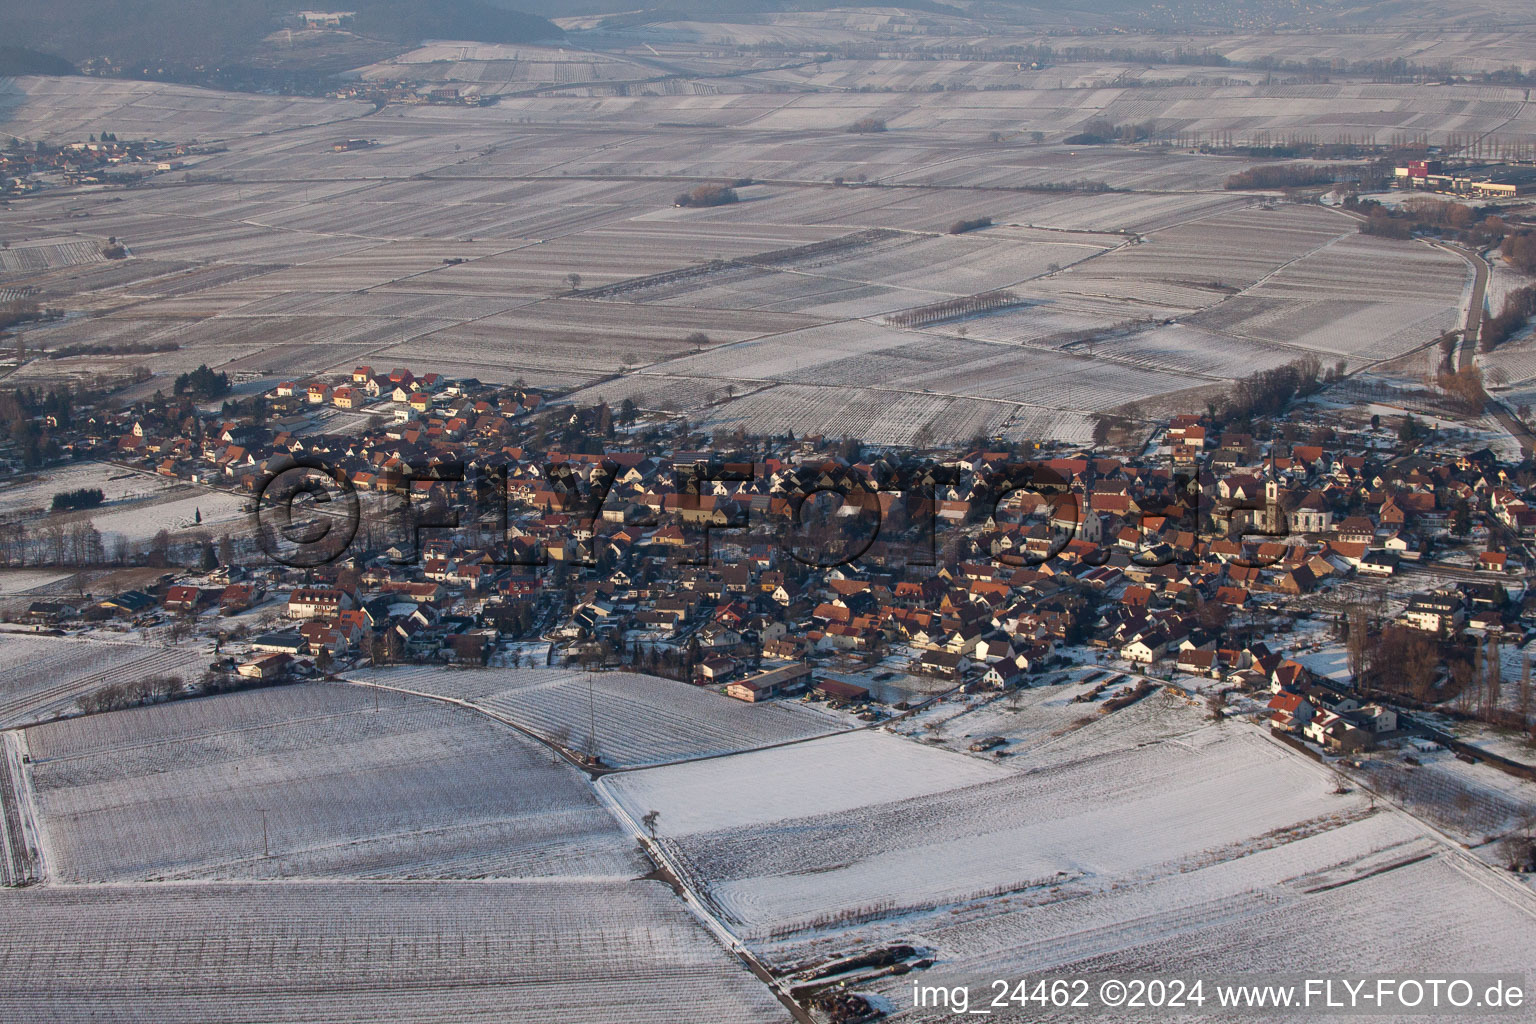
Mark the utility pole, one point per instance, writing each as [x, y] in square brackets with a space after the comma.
[591, 719]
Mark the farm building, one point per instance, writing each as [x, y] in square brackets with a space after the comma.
[266, 666]
[775, 682]
[834, 689]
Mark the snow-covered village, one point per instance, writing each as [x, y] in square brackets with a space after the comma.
[1321, 629]
[528, 511]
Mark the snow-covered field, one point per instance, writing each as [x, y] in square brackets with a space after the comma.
[640, 719]
[879, 823]
[1366, 898]
[1044, 724]
[352, 784]
[136, 505]
[828, 776]
[212, 511]
[43, 676]
[14, 582]
[35, 493]
[1133, 837]
[488, 952]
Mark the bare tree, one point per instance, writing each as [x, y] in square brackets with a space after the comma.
[574, 280]
[1516, 852]
[1358, 644]
[649, 821]
[560, 736]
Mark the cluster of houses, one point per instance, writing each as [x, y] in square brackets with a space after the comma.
[1306, 706]
[618, 539]
[28, 168]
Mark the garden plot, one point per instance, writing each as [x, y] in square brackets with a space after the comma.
[43, 676]
[495, 67]
[900, 209]
[96, 283]
[869, 277]
[639, 719]
[1124, 211]
[400, 150]
[1055, 320]
[369, 265]
[1502, 280]
[982, 167]
[833, 775]
[201, 240]
[295, 345]
[1474, 802]
[137, 505]
[819, 842]
[1027, 424]
[352, 783]
[1030, 377]
[483, 951]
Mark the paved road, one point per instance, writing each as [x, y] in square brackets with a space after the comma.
[1472, 330]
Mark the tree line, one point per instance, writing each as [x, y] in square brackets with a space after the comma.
[80, 497]
[1281, 176]
[1266, 393]
[1519, 307]
[948, 309]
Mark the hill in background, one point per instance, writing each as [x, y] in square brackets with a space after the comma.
[191, 32]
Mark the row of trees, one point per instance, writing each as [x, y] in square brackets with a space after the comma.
[1281, 176]
[1520, 250]
[1475, 226]
[54, 543]
[965, 305]
[132, 348]
[20, 310]
[1101, 130]
[115, 697]
[1519, 307]
[1465, 389]
[1267, 392]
